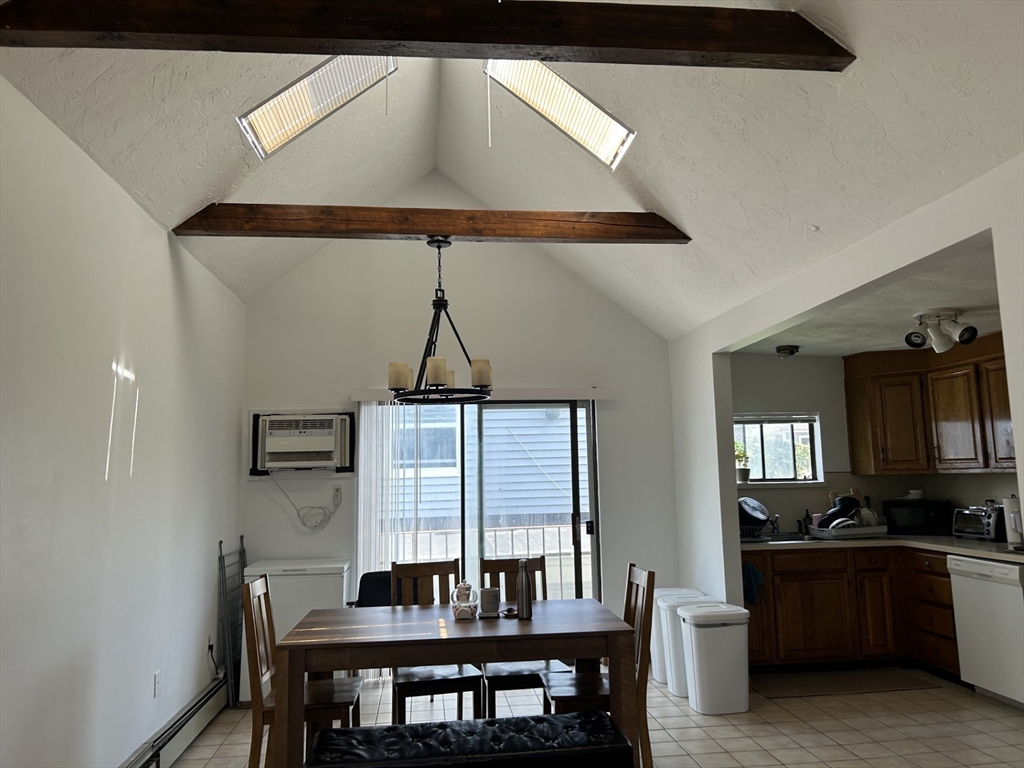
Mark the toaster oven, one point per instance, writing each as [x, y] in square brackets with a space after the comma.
[984, 522]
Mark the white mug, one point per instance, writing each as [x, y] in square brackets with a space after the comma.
[490, 600]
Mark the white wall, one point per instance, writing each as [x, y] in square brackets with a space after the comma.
[701, 381]
[333, 324]
[768, 384]
[764, 383]
[103, 582]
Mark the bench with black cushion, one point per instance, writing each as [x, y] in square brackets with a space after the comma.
[584, 739]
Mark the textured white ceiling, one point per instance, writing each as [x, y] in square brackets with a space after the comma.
[743, 160]
[880, 320]
[162, 124]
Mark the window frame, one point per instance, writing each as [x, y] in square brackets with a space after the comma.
[813, 421]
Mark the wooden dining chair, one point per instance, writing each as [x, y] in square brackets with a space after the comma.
[325, 700]
[413, 584]
[515, 675]
[579, 691]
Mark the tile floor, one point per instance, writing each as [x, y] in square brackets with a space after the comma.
[944, 727]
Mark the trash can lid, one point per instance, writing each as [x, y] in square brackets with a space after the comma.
[713, 615]
[666, 591]
[671, 602]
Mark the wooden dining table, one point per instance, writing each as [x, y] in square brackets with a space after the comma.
[368, 638]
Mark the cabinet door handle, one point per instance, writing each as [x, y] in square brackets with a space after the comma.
[927, 563]
[881, 453]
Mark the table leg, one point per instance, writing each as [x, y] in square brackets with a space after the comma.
[622, 681]
[588, 665]
[289, 710]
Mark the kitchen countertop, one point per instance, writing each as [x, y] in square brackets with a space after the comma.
[986, 550]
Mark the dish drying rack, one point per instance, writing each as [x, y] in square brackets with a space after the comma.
[851, 532]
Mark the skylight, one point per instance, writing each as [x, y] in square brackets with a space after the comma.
[579, 118]
[310, 99]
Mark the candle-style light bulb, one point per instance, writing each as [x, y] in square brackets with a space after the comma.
[437, 368]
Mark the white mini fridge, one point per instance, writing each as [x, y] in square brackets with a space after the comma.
[296, 588]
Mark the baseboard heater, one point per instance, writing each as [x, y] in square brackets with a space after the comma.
[167, 744]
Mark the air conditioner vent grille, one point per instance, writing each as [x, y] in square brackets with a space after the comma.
[296, 424]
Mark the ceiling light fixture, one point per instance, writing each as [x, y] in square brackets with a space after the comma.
[434, 383]
[786, 350]
[574, 114]
[314, 96]
[941, 329]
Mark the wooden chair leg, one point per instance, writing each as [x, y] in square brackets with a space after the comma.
[311, 728]
[398, 707]
[257, 743]
[458, 708]
[645, 742]
[545, 703]
[492, 701]
[270, 744]
[478, 701]
[344, 719]
[355, 713]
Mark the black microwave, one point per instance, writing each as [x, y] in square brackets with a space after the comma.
[918, 517]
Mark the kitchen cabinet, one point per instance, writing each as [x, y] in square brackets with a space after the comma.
[840, 605]
[995, 415]
[875, 604]
[760, 630]
[917, 412]
[956, 419]
[930, 630]
[814, 618]
[886, 425]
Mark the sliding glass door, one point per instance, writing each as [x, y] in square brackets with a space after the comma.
[531, 493]
[493, 480]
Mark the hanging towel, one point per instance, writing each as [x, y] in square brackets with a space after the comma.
[752, 579]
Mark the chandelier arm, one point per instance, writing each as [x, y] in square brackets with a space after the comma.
[430, 348]
[456, 332]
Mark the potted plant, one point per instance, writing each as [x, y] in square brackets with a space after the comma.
[742, 463]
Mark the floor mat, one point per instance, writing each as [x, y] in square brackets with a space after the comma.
[781, 686]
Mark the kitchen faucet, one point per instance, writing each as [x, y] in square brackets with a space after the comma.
[774, 523]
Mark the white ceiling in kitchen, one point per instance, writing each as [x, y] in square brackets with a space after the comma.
[964, 280]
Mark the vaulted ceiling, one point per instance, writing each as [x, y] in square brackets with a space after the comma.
[768, 171]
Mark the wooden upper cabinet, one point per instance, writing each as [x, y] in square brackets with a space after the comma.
[899, 426]
[956, 419]
[995, 415]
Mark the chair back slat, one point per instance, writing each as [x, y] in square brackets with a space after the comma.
[505, 572]
[262, 640]
[638, 613]
[413, 583]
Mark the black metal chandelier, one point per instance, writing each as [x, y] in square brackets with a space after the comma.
[435, 383]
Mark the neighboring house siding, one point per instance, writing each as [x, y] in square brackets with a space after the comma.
[527, 473]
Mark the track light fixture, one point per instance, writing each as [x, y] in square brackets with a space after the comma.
[940, 329]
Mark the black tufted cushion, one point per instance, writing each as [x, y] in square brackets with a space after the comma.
[585, 739]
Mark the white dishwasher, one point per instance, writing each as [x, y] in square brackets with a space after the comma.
[988, 607]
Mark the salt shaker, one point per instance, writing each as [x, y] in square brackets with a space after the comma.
[524, 592]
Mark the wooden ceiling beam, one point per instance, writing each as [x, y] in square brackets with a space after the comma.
[679, 35]
[481, 226]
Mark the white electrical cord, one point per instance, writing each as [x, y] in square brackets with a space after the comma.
[322, 518]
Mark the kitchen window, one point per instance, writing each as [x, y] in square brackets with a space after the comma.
[781, 447]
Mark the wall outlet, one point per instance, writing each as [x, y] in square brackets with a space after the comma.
[156, 683]
[337, 495]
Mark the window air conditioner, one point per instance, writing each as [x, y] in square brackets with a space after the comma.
[302, 441]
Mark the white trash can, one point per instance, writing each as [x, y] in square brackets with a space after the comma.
[657, 639]
[715, 648]
[672, 637]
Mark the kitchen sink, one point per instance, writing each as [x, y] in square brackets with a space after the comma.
[786, 538]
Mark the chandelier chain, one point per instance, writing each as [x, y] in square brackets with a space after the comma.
[439, 268]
